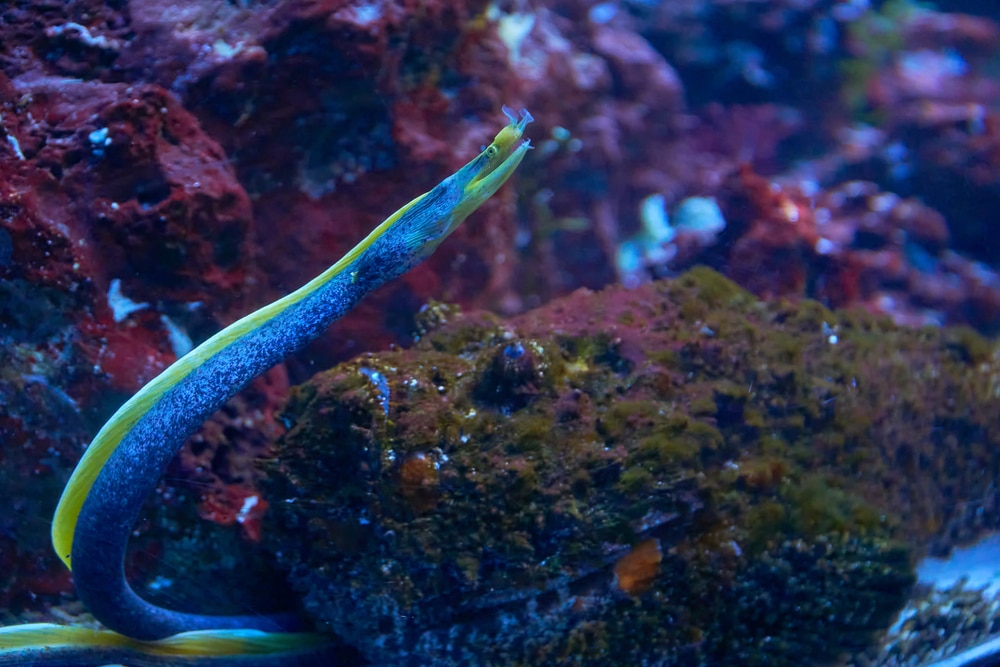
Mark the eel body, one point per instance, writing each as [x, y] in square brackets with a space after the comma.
[105, 493]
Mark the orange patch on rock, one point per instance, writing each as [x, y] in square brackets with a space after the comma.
[418, 482]
[636, 570]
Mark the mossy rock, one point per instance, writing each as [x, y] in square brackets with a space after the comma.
[677, 474]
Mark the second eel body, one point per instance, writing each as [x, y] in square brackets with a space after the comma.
[102, 499]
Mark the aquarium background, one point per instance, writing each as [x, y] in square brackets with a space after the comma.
[702, 384]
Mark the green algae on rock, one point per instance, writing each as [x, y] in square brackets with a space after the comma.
[676, 474]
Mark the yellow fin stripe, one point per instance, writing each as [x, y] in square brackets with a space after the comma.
[202, 643]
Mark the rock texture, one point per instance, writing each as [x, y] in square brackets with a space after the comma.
[676, 474]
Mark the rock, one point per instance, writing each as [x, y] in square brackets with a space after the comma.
[676, 474]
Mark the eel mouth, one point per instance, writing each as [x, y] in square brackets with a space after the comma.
[508, 148]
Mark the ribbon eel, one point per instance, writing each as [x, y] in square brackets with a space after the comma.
[102, 499]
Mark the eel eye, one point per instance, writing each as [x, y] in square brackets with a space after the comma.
[491, 151]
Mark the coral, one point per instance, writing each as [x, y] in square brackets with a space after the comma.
[849, 245]
[633, 99]
[931, 90]
[109, 191]
[814, 97]
[389, 111]
[708, 472]
[112, 181]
